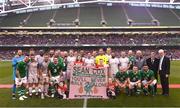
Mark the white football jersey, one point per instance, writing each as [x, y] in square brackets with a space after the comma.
[113, 63]
[89, 61]
[124, 62]
[39, 59]
[71, 59]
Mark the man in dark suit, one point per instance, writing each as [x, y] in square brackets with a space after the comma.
[164, 72]
[153, 64]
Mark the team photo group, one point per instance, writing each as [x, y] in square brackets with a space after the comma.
[47, 74]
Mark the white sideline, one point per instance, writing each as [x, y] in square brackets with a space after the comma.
[85, 103]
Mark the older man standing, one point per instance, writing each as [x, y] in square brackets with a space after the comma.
[164, 72]
[139, 60]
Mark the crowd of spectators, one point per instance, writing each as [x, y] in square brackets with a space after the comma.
[122, 39]
[173, 54]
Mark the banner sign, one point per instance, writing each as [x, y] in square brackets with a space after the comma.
[88, 82]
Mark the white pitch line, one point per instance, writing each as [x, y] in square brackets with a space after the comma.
[85, 103]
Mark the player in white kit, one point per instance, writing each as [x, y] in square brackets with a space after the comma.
[89, 60]
[114, 65]
[70, 62]
[44, 78]
[33, 74]
[124, 61]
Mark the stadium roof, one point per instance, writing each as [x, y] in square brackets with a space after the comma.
[7, 6]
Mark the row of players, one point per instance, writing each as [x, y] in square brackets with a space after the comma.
[49, 71]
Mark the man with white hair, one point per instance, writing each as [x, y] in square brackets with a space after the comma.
[164, 71]
[140, 61]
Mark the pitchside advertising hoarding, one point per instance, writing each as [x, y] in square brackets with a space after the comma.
[88, 82]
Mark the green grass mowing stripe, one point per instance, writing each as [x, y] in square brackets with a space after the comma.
[6, 101]
[121, 101]
[139, 101]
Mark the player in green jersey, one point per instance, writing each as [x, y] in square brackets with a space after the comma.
[55, 71]
[148, 80]
[122, 79]
[21, 77]
[131, 59]
[134, 80]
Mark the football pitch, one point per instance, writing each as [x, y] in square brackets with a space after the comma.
[121, 101]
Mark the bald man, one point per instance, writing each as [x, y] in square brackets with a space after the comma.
[164, 72]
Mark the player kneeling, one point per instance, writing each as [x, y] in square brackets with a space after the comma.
[148, 80]
[122, 79]
[55, 69]
[21, 78]
[62, 91]
[111, 88]
[134, 81]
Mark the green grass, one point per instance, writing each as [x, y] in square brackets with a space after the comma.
[6, 72]
[6, 101]
[121, 101]
[139, 101]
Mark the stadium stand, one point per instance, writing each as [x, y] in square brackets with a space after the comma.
[118, 19]
[93, 16]
[90, 16]
[165, 17]
[65, 39]
[138, 14]
[65, 16]
[159, 0]
[13, 20]
[39, 19]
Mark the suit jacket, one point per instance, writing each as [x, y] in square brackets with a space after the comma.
[153, 65]
[165, 66]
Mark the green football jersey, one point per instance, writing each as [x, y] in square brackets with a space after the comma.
[131, 60]
[61, 62]
[149, 75]
[134, 76]
[55, 69]
[22, 68]
[121, 76]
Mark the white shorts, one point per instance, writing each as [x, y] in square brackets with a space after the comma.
[33, 79]
[44, 78]
[55, 79]
[133, 83]
[144, 82]
[20, 82]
